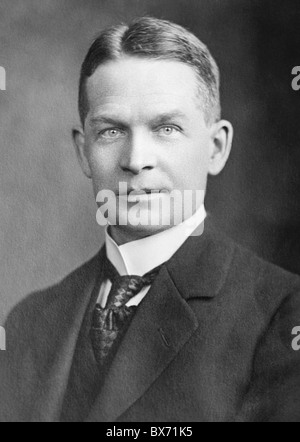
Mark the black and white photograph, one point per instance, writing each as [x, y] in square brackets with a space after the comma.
[149, 213]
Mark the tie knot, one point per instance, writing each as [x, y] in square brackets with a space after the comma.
[126, 287]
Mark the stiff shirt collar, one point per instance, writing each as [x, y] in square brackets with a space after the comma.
[140, 256]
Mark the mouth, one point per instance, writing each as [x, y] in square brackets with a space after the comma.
[144, 194]
[144, 191]
[140, 192]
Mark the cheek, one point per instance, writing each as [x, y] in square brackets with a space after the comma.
[102, 163]
[192, 166]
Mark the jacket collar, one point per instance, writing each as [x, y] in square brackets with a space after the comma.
[199, 268]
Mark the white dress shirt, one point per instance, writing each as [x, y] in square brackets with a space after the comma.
[140, 256]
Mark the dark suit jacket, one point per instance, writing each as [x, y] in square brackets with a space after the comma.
[211, 341]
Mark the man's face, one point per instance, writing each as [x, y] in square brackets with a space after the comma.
[146, 128]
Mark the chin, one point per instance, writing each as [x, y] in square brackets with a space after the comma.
[140, 231]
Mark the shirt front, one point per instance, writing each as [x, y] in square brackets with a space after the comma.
[140, 256]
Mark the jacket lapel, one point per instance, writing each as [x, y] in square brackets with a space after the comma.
[163, 323]
[54, 354]
[152, 341]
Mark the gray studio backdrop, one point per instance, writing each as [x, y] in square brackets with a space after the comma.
[47, 210]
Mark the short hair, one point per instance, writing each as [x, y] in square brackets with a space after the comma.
[152, 38]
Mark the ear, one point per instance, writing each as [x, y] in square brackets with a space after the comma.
[81, 152]
[221, 142]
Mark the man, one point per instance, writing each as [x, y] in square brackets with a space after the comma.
[171, 321]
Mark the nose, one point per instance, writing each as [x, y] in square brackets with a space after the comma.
[139, 154]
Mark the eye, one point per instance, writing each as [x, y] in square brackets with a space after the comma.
[111, 133]
[168, 130]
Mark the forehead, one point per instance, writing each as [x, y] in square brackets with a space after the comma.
[143, 86]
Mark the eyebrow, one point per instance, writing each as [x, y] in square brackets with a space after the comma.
[105, 119]
[159, 119]
[167, 116]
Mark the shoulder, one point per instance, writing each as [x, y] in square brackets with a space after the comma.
[26, 311]
[245, 260]
[274, 386]
[250, 276]
[269, 276]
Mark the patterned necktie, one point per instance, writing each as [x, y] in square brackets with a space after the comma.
[109, 324]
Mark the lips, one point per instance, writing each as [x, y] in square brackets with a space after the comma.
[143, 191]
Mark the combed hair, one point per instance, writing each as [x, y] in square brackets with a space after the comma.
[157, 39]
